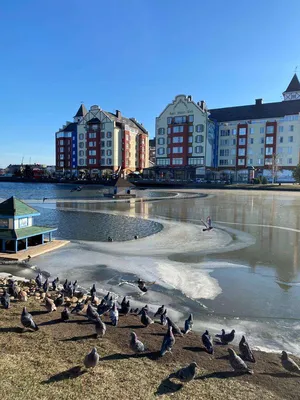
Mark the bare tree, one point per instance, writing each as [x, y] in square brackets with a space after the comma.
[274, 166]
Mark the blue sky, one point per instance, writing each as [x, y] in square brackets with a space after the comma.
[135, 56]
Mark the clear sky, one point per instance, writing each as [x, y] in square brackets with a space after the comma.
[135, 56]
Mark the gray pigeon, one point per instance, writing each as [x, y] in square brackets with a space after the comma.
[114, 315]
[168, 342]
[289, 364]
[145, 308]
[27, 321]
[136, 345]
[188, 325]
[103, 307]
[245, 350]
[163, 318]
[65, 314]
[145, 319]
[46, 285]
[175, 327]
[38, 280]
[55, 282]
[91, 313]
[78, 308]
[91, 359]
[188, 373]
[93, 290]
[206, 340]
[100, 327]
[160, 311]
[226, 337]
[106, 297]
[5, 300]
[237, 363]
[59, 301]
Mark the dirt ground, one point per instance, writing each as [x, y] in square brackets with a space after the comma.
[48, 364]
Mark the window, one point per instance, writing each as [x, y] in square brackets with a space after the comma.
[261, 150]
[92, 135]
[168, 150]
[224, 142]
[241, 161]
[223, 162]
[177, 161]
[250, 151]
[270, 129]
[160, 151]
[92, 152]
[269, 140]
[269, 151]
[61, 164]
[180, 120]
[199, 149]
[199, 139]
[280, 150]
[102, 153]
[221, 152]
[242, 131]
[251, 131]
[225, 132]
[251, 141]
[191, 118]
[81, 145]
[102, 135]
[280, 129]
[191, 129]
[250, 161]
[190, 139]
[23, 222]
[3, 223]
[74, 160]
[161, 131]
[61, 157]
[177, 150]
[224, 152]
[268, 161]
[108, 143]
[281, 139]
[233, 142]
[178, 139]
[232, 152]
[169, 120]
[169, 140]
[190, 149]
[108, 161]
[81, 161]
[199, 128]
[233, 132]
[161, 141]
[178, 129]
[260, 161]
[93, 161]
[61, 149]
[291, 128]
[196, 161]
[164, 161]
[290, 150]
[262, 140]
[102, 143]
[169, 131]
[92, 144]
[232, 162]
[74, 152]
[290, 139]
[242, 152]
[74, 145]
[61, 142]
[262, 130]
[81, 136]
[108, 152]
[290, 161]
[242, 141]
[108, 135]
[102, 162]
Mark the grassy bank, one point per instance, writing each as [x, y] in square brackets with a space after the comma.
[48, 364]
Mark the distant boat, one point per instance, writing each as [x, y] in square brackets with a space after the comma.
[77, 189]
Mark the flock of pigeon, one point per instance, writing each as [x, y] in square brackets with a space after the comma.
[94, 309]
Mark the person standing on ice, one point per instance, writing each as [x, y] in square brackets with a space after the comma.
[208, 222]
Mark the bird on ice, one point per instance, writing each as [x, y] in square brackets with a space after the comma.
[188, 373]
[135, 344]
[188, 324]
[168, 342]
[27, 320]
[226, 337]
[207, 342]
[289, 364]
[245, 350]
[91, 359]
[237, 363]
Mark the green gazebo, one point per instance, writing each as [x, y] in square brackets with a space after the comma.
[17, 231]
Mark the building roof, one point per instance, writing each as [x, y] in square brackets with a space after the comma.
[122, 183]
[22, 233]
[71, 127]
[94, 121]
[82, 111]
[256, 111]
[128, 121]
[294, 85]
[152, 142]
[14, 207]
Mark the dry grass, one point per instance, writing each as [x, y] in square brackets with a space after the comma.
[48, 364]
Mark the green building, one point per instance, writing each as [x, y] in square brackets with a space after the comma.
[17, 231]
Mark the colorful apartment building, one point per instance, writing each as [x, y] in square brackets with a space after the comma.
[232, 139]
[98, 140]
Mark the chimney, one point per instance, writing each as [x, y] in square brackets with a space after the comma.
[203, 105]
[118, 113]
[258, 102]
[189, 98]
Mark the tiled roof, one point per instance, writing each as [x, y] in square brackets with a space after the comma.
[128, 121]
[15, 208]
[71, 127]
[82, 111]
[30, 231]
[294, 85]
[256, 111]
[94, 121]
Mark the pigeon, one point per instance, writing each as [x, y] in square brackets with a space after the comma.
[79, 307]
[145, 308]
[136, 345]
[103, 307]
[38, 280]
[65, 285]
[46, 285]
[106, 297]
[100, 327]
[206, 340]
[91, 313]
[237, 363]
[135, 311]
[188, 325]
[188, 373]
[124, 301]
[175, 327]
[114, 315]
[75, 285]
[27, 321]
[226, 337]
[160, 311]
[245, 350]
[126, 308]
[168, 342]
[59, 301]
[65, 314]
[145, 319]
[22, 295]
[289, 364]
[163, 318]
[55, 282]
[93, 290]
[5, 300]
[12, 289]
[91, 359]
[49, 304]
[110, 302]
